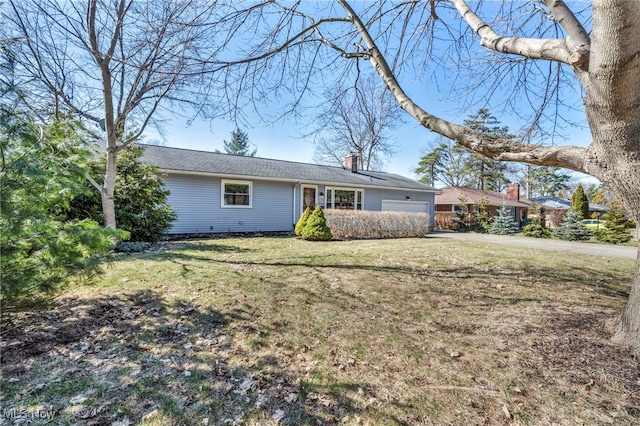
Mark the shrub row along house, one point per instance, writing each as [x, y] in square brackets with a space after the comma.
[213, 192]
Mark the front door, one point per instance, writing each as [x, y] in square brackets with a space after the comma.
[308, 197]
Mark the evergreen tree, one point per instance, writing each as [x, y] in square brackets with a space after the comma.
[571, 229]
[503, 224]
[484, 218]
[537, 228]
[486, 173]
[544, 181]
[455, 165]
[302, 221]
[140, 198]
[461, 219]
[42, 249]
[431, 165]
[615, 228]
[239, 144]
[600, 197]
[316, 228]
[580, 203]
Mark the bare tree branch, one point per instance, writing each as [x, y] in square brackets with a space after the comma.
[533, 48]
[499, 149]
[578, 39]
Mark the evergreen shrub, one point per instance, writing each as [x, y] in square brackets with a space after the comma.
[580, 202]
[537, 228]
[42, 250]
[484, 218]
[302, 221]
[316, 228]
[615, 228]
[503, 224]
[140, 198]
[571, 229]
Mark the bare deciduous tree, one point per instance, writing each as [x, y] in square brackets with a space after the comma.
[590, 50]
[115, 64]
[358, 120]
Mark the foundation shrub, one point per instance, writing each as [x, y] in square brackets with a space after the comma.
[302, 221]
[316, 229]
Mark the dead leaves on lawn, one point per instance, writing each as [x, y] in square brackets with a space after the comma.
[111, 350]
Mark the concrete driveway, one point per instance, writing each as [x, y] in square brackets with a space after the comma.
[604, 250]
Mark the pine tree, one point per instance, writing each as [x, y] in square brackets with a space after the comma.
[431, 165]
[580, 203]
[484, 219]
[239, 144]
[42, 250]
[316, 228]
[503, 224]
[302, 221]
[615, 228]
[543, 181]
[140, 200]
[461, 219]
[571, 229]
[538, 227]
[488, 174]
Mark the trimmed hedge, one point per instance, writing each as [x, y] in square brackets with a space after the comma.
[357, 224]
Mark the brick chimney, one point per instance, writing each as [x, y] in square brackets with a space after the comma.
[513, 191]
[351, 162]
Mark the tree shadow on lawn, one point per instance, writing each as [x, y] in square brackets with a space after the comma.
[603, 283]
[171, 249]
[104, 359]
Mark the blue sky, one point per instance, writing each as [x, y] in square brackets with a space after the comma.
[284, 140]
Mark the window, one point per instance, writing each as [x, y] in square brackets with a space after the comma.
[236, 193]
[344, 198]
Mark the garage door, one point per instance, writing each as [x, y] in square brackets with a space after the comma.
[405, 206]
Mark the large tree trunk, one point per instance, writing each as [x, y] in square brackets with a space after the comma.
[607, 64]
[628, 329]
[613, 111]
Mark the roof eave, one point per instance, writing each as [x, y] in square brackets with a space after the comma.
[296, 181]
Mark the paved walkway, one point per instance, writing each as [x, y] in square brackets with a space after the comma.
[604, 250]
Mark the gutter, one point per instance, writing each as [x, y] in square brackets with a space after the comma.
[297, 181]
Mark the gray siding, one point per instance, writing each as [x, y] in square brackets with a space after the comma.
[196, 200]
[373, 199]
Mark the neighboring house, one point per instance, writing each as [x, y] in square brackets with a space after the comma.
[555, 208]
[555, 203]
[455, 199]
[213, 192]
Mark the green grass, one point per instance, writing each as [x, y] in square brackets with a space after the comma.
[405, 331]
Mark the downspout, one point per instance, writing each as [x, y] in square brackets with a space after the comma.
[293, 210]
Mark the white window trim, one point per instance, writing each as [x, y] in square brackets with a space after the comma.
[223, 182]
[453, 208]
[342, 188]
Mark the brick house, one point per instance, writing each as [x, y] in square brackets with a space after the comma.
[454, 199]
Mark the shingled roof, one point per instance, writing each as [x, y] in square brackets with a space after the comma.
[178, 160]
[557, 203]
[452, 195]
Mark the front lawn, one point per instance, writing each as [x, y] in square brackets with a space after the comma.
[283, 331]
